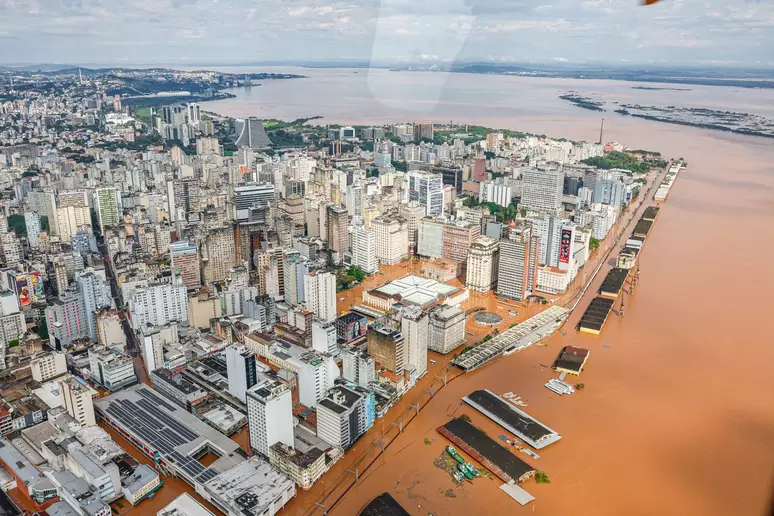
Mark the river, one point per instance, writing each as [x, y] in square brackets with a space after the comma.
[676, 417]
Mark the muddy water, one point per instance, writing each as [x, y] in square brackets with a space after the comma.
[676, 417]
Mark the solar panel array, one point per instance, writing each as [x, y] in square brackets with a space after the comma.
[160, 431]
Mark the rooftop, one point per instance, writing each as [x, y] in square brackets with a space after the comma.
[184, 505]
[416, 291]
[248, 488]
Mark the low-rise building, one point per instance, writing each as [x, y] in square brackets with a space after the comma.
[46, 366]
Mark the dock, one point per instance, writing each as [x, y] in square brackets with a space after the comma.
[518, 422]
[517, 493]
[614, 281]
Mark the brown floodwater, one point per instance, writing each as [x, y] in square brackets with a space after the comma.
[676, 417]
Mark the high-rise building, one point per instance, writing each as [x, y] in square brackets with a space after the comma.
[96, 297]
[218, 253]
[317, 373]
[66, 319]
[609, 189]
[430, 238]
[32, 222]
[457, 239]
[423, 130]
[320, 294]
[184, 257]
[517, 269]
[76, 398]
[542, 190]
[426, 189]
[269, 415]
[336, 229]
[295, 267]
[483, 262]
[447, 328]
[108, 206]
[70, 219]
[388, 347]
[415, 327]
[183, 194]
[359, 366]
[324, 337]
[413, 212]
[344, 415]
[194, 113]
[364, 250]
[158, 305]
[252, 201]
[10, 249]
[110, 331]
[391, 232]
[242, 372]
[153, 340]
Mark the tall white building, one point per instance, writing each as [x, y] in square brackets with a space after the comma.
[158, 305]
[343, 416]
[294, 269]
[111, 368]
[496, 192]
[76, 399]
[391, 232]
[242, 371]
[324, 339]
[154, 338]
[426, 188]
[269, 415]
[359, 366]
[447, 329]
[542, 190]
[320, 294]
[32, 222]
[364, 250]
[96, 296]
[316, 374]
[415, 327]
[483, 259]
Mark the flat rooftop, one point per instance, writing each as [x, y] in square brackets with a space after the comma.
[650, 213]
[172, 432]
[249, 488]
[474, 441]
[572, 359]
[414, 290]
[383, 505]
[184, 505]
[614, 282]
[643, 227]
[518, 422]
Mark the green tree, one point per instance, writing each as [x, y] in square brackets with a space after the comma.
[593, 243]
[541, 477]
[17, 223]
[42, 328]
[490, 155]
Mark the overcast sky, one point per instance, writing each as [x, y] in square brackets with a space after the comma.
[116, 32]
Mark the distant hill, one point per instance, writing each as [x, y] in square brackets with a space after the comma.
[45, 67]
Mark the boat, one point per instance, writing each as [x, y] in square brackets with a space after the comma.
[459, 477]
[465, 471]
[451, 451]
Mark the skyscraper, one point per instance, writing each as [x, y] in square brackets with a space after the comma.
[294, 270]
[242, 372]
[184, 257]
[426, 189]
[251, 133]
[542, 190]
[482, 266]
[336, 229]
[423, 130]
[159, 304]
[96, 296]
[517, 270]
[66, 319]
[391, 231]
[320, 294]
[364, 250]
[269, 415]
[108, 205]
[415, 327]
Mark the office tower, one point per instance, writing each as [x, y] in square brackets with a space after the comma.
[111, 368]
[447, 328]
[344, 415]
[218, 253]
[61, 279]
[184, 258]
[516, 273]
[391, 232]
[496, 192]
[542, 190]
[249, 199]
[324, 338]
[32, 222]
[108, 204]
[234, 299]
[44, 203]
[457, 239]
[388, 347]
[426, 189]
[158, 304]
[96, 296]
[359, 366]
[194, 113]
[413, 212]
[241, 370]
[336, 229]
[483, 262]
[295, 267]
[430, 238]
[415, 327]
[355, 198]
[320, 294]
[423, 130]
[269, 415]
[70, 219]
[66, 319]
[316, 374]
[251, 133]
[185, 195]
[207, 146]
[364, 250]
[609, 190]
[76, 399]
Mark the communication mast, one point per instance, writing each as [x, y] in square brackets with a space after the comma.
[601, 127]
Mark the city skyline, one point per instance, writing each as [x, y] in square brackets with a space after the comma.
[180, 32]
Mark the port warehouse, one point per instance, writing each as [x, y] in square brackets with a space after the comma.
[642, 228]
[666, 185]
[596, 315]
[651, 213]
[516, 421]
[487, 452]
[512, 339]
[571, 360]
[613, 283]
